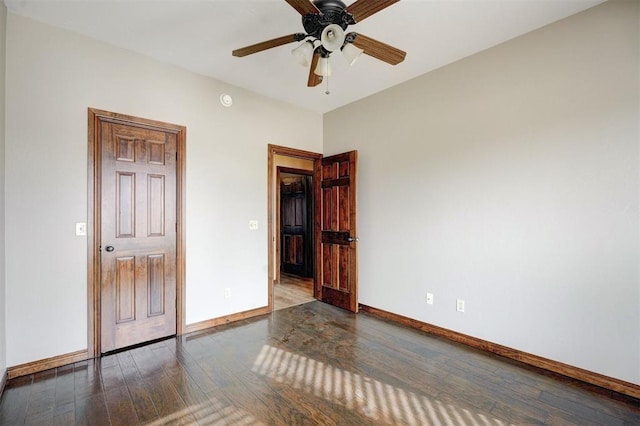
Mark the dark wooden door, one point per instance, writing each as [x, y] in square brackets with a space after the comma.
[138, 234]
[294, 216]
[337, 257]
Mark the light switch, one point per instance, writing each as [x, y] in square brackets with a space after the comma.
[253, 225]
[81, 229]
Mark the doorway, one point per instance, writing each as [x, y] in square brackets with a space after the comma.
[296, 219]
[291, 275]
[296, 238]
[335, 276]
[135, 232]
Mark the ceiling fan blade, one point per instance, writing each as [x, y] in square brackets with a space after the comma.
[379, 50]
[259, 47]
[362, 9]
[314, 79]
[304, 7]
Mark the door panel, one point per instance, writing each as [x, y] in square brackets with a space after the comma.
[156, 289]
[125, 289]
[338, 266]
[156, 206]
[138, 234]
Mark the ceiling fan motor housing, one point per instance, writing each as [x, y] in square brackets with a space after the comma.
[332, 12]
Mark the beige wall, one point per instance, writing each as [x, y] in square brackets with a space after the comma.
[3, 340]
[510, 180]
[53, 76]
[292, 162]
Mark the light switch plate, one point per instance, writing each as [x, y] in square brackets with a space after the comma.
[81, 229]
[253, 225]
[429, 299]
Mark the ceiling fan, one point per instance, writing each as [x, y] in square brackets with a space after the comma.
[325, 23]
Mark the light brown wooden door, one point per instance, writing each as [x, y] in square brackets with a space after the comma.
[138, 234]
[337, 257]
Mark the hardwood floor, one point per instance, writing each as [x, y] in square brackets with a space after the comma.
[309, 364]
[292, 290]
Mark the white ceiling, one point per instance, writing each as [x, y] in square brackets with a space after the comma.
[199, 35]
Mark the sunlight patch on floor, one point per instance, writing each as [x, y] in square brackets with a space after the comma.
[373, 398]
[206, 415]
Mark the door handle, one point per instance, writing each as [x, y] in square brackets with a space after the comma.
[352, 239]
[109, 248]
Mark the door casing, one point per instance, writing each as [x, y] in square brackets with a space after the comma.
[273, 207]
[94, 176]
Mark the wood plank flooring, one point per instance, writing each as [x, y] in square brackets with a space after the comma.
[292, 290]
[311, 364]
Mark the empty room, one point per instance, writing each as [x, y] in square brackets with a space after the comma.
[417, 212]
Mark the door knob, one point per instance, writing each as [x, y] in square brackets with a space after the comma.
[352, 239]
[109, 248]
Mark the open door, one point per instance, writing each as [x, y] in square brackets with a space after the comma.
[337, 260]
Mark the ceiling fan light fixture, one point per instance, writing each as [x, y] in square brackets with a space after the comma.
[325, 23]
[303, 53]
[323, 68]
[351, 53]
[332, 37]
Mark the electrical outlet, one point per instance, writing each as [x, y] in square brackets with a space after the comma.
[227, 293]
[429, 299]
[459, 305]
